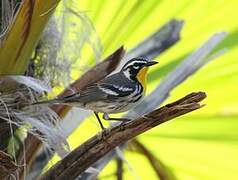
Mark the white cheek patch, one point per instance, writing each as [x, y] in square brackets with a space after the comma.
[108, 91]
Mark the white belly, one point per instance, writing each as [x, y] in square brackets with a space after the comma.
[111, 107]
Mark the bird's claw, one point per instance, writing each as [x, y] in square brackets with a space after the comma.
[122, 126]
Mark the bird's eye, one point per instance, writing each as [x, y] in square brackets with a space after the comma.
[136, 67]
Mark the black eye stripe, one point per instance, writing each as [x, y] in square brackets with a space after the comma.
[139, 64]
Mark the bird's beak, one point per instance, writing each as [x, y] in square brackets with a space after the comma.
[151, 63]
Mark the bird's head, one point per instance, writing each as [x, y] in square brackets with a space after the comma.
[136, 68]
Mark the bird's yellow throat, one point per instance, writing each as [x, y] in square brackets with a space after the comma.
[141, 77]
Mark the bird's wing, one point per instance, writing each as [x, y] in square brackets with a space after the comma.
[90, 94]
[108, 89]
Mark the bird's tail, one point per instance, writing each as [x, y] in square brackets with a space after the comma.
[48, 102]
[65, 100]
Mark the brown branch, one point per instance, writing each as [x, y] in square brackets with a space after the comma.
[93, 149]
[161, 170]
[99, 71]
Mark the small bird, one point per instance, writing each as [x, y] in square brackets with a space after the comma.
[116, 93]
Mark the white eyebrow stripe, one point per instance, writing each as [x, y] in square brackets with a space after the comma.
[133, 62]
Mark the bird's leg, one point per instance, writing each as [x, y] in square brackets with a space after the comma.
[106, 117]
[96, 114]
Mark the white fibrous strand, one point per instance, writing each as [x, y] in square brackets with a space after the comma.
[16, 108]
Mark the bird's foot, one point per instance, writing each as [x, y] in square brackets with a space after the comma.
[122, 125]
[105, 132]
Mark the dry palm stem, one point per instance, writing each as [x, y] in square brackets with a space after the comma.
[99, 145]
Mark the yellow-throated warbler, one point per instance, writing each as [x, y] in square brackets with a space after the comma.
[114, 94]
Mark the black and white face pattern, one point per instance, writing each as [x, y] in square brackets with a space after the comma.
[133, 66]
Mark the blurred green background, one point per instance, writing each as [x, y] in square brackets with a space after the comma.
[202, 144]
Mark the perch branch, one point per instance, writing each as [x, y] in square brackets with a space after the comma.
[93, 149]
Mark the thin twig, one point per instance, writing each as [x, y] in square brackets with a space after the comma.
[119, 168]
[93, 149]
